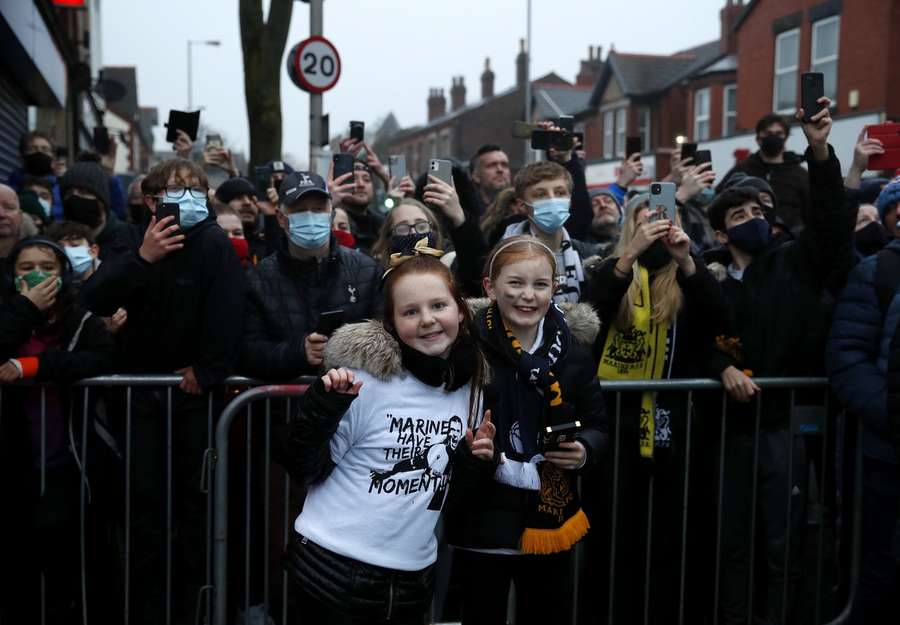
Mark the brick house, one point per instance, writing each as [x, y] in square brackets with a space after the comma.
[459, 132]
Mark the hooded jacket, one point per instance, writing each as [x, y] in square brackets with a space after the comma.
[285, 297]
[789, 181]
[185, 310]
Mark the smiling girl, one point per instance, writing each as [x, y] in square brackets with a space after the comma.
[378, 438]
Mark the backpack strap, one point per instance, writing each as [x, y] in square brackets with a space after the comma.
[887, 277]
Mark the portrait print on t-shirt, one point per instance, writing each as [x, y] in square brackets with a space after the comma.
[423, 445]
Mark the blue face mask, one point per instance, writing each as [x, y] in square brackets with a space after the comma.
[551, 214]
[81, 259]
[706, 196]
[191, 210]
[308, 229]
[752, 236]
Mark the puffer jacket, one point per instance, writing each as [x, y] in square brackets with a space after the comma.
[860, 346]
[285, 297]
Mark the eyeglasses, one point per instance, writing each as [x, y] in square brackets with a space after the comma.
[176, 193]
[420, 227]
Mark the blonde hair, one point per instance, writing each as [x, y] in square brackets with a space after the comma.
[381, 250]
[665, 292]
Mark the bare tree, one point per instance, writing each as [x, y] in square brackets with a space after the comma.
[263, 44]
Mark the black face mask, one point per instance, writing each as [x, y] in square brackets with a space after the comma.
[38, 164]
[655, 257]
[871, 238]
[83, 210]
[404, 244]
[771, 145]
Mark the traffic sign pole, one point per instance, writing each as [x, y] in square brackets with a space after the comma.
[315, 99]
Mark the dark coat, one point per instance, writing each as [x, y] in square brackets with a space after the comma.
[285, 298]
[789, 181]
[184, 311]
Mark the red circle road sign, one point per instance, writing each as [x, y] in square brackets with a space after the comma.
[314, 64]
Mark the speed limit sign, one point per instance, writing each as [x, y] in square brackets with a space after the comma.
[314, 64]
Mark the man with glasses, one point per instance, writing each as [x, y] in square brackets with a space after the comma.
[291, 289]
[782, 169]
[183, 288]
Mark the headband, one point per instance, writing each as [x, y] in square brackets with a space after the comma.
[531, 241]
[420, 249]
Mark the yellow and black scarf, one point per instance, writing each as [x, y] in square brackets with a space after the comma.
[555, 520]
[640, 352]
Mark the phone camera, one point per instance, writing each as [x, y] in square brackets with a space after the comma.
[655, 189]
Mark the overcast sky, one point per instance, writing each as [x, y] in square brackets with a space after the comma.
[392, 51]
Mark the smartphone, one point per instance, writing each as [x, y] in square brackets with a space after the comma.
[561, 433]
[889, 135]
[812, 87]
[329, 321]
[181, 120]
[397, 166]
[545, 139]
[633, 145]
[261, 180]
[522, 130]
[662, 201]
[101, 139]
[688, 150]
[168, 209]
[702, 156]
[214, 140]
[566, 122]
[358, 131]
[441, 169]
[343, 164]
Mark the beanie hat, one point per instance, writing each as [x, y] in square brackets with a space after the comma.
[233, 188]
[868, 190]
[741, 179]
[729, 198]
[88, 176]
[604, 191]
[889, 195]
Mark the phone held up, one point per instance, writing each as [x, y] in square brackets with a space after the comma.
[662, 201]
[343, 164]
[329, 321]
[168, 209]
[397, 167]
[441, 169]
[357, 131]
[812, 88]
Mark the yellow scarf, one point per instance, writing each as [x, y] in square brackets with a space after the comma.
[638, 352]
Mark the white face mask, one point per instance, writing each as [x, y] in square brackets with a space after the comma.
[46, 205]
[81, 259]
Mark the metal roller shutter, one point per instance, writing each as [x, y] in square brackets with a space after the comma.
[13, 124]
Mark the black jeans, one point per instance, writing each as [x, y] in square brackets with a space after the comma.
[772, 523]
[543, 587]
[879, 583]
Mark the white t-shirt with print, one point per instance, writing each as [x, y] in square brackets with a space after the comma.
[392, 452]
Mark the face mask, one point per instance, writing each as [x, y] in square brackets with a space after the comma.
[751, 236]
[404, 244]
[191, 210]
[706, 196]
[655, 257]
[45, 206]
[34, 278]
[771, 145]
[871, 238]
[345, 238]
[38, 164]
[83, 210]
[241, 248]
[551, 214]
[81, 259]
[309, 230]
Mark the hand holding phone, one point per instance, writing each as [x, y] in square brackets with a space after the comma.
[812, 88]
[358, 131]
[633, 145]
[397, 166]
[441, 169]
[329, 321]
[561, 433]
[662, 201]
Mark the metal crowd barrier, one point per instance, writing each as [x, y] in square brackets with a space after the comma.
[214, 603]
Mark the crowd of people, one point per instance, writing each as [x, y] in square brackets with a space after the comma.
[459, 343]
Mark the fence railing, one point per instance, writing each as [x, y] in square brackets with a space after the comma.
[639, 506]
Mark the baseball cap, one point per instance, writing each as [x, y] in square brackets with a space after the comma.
[296, 185]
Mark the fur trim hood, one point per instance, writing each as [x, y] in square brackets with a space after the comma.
[582, 319]
[365, 345]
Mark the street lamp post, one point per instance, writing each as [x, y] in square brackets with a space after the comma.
[190, 71]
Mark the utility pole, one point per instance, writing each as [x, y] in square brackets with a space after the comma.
[315, 99]
[529, 153]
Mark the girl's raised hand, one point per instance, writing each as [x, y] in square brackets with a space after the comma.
[341, 381]
[481, 443]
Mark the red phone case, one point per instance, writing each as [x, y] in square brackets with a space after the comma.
[889, 135]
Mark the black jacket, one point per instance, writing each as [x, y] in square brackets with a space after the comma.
[789, 181]
[285, 297]
[780, 309]
[487, 514]
[184, 311]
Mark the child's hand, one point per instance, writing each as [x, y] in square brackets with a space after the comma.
[482, 443]
[341, 381]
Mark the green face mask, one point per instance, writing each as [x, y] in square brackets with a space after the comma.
[34, 278]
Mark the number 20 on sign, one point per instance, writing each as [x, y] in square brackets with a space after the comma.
[314, 65]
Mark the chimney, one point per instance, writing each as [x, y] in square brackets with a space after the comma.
[437, 104]
[487, 81]
[457, 94]
[728, 17]
[521, 65]
[590, 69]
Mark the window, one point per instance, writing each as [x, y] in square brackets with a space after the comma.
[620, 132]
[729, 110]
[824, 55]
[608, 134]
[787, 60]
[701, 114]
[644, 126]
